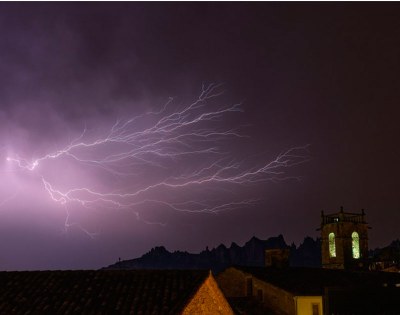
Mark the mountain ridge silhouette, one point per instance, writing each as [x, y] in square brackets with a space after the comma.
[307, 254]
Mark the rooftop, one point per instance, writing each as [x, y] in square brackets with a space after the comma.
[312, 281]
[98, 292]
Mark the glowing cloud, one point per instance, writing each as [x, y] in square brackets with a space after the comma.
[173, 159]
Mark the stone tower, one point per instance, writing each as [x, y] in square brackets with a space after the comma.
[344, 238]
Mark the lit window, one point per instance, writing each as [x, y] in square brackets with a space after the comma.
[332, 246]
[355, 244]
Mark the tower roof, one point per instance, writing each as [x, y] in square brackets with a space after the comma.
[342, 216]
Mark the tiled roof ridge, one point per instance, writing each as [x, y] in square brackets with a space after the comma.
[179, 308]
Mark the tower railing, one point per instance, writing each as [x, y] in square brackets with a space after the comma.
[341, 217]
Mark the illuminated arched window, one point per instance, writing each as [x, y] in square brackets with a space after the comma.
[355, 245]
[332, 246]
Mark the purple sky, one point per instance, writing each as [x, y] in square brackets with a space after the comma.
[218, 92]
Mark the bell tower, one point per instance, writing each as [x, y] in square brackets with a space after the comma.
[344, 238]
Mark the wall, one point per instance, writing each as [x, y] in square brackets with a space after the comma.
[304, 304]
[233, 284]
[208, 300]
[274, 297]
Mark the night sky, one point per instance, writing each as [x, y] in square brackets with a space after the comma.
[132, 125]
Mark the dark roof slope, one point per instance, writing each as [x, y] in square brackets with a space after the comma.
[98, 292]
[312, 281]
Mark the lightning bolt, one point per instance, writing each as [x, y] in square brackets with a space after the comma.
[164, 141]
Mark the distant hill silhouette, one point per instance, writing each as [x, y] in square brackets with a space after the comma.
[308, 254]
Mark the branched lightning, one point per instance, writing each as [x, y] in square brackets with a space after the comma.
[167, 139]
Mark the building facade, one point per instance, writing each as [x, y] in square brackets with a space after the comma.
[313, 291]
[344, 238]
[255, 283]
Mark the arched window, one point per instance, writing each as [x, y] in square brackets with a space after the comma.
[355, 245]
[332, 246]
